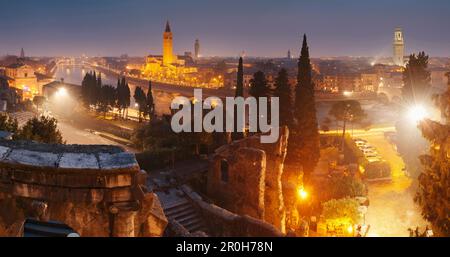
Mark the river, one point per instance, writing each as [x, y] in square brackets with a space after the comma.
[75, 75]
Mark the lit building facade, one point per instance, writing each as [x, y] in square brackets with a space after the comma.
[22, 77]
[168, 45]
[369, 82]
[175, 69]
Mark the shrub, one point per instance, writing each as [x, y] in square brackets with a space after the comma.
[380, 169]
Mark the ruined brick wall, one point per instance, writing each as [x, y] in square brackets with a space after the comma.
[223, 223]
[96, 190]
[254, 185]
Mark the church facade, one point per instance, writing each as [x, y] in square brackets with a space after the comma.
[22, 76]
[168, 66]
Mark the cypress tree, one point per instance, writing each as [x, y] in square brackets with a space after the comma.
[239, 93]
[126, 94]
[283, 92]
[303, 146]
[119, 92]
[140, 99]
[240, 79]
[259, 86]
[85, 90]
[150, 102]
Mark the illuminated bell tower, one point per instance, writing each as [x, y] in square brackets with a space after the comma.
[167, 45]
[399, 48]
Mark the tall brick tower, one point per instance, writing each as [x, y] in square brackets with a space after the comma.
[399, 48]
[167, 45]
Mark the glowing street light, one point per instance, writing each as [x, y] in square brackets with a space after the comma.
[350, 229]
[61, 92]
[417, 113]
[302, 194]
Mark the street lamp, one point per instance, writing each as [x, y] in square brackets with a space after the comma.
[417, 113]
[61, 92]
[302, 193]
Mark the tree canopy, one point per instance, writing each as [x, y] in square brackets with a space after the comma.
[283, 92]
[434, 181]
[42, 129]
[416, 80]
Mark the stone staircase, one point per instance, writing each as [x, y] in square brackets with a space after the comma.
[186, 215]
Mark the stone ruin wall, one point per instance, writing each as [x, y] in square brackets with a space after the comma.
[223, 223]
[96, 190]
[254, 185]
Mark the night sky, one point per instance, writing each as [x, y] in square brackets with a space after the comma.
[225, 28]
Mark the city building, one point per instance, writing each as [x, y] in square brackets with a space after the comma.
[177, 69]
[399, 48]
[22, 77]
[369, 82]
[168, 45]
[197, 49]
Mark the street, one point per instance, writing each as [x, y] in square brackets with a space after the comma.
[72, 134]
[392, 209]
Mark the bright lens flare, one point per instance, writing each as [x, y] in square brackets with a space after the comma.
[61, 92]
[350, 229]
[302, 193]
[417, 113]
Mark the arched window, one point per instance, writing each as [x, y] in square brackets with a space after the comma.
[224, 170]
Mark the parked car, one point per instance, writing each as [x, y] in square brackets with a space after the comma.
[367, 147]
[360, 140]
[359, 144]
[369, 152]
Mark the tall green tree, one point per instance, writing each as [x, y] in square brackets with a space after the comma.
[416, 80]
[119, 89]
[347, 111]
[43, 130]
[150, 110]
[39, 101]
[303, 147]
[259, 86]
[123, 96]
[107, 100]
[283, 92]
[239, 93]
[415, 92]
[126, 95]
[240, 79]
[434, 182]
[85, 89]
[141, 99]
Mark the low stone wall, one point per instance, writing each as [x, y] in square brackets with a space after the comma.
[224, 223]
[96, 190]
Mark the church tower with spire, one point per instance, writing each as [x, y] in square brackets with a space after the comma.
[167, 45]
